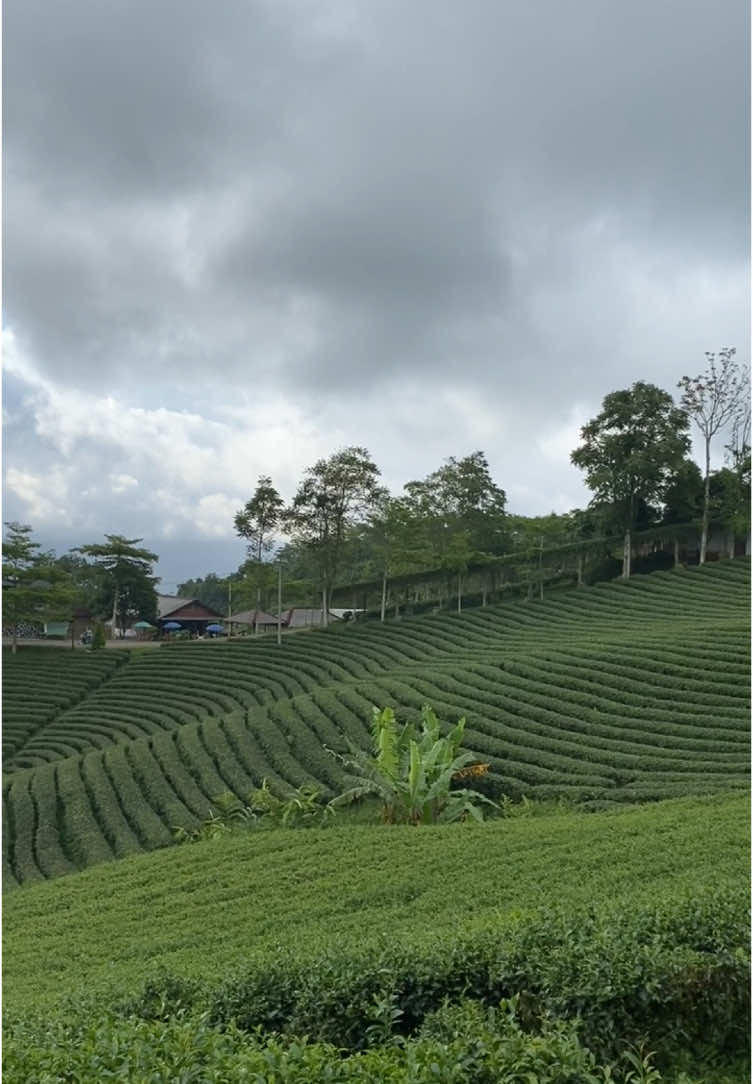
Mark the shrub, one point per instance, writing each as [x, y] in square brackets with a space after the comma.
[674, 973]
[413, 773]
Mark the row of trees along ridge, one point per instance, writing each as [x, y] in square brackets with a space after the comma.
[346, 532]
[635, 455]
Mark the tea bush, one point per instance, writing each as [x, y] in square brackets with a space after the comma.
[623, 692]
[464, 1044]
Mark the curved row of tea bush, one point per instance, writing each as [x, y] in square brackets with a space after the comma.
[633, 921]
[165, 689]
[38, 684]
[201, 910]
[553, 999]
[596, 718]
[540, 737]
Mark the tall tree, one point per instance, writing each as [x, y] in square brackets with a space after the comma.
[730, 500]
[683, 499]
[464, 513]
[35, 587]
[630, 451]
[713, 400]
[399, 542]
[129, 572]
[461, 496]
[256, 522]
[335, 494]
[259, 518]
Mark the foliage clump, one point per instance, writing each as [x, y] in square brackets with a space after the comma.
[412, 772]
[300, 808]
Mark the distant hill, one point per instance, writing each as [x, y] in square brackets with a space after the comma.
[617, 693]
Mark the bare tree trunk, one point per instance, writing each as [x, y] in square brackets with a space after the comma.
[114, 610]
[626, 556]
[541, 568]
[677, 553]
[484, 592]
[706, 491]
[384, 598]
[279, 604]
[579, 569]
[324, 606]
[731, 543]
[14, 645]
[460, 592]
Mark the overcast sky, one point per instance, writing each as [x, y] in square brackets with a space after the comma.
[239, 236]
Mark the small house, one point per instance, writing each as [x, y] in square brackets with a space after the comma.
[249, 619]
[188, 613]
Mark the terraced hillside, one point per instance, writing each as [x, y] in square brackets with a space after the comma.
[617, 693]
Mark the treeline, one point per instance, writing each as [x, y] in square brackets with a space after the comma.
[111, 579]
[351, 543]
[448, 536]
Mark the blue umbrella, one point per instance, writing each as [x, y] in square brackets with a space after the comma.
[215, 628]
[170, 625]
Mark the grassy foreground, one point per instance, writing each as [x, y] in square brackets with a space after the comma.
[200, 910]
[349, 955]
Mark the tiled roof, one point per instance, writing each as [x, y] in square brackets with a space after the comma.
[301, 616]
[192, 609]
[247, 617]
[166, 604]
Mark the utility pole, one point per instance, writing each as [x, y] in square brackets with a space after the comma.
[279, 603]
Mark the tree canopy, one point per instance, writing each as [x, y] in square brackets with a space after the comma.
[631, 450]
[333, 496]
[128, 582]
[35, 588]
[715, 399]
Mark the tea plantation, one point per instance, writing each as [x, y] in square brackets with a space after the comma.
[619, 693]
[596, 936]
[223, 956]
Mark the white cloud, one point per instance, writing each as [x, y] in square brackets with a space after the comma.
[556, 444]
[122, 483]
[214, 512]
[44, 497]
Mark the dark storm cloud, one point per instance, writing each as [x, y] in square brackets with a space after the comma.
[183, 179]
[240, 235]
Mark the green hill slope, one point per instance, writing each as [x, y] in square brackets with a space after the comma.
[206, 910]
[622, 692]
[205, 962]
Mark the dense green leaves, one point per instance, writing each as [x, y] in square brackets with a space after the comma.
[129, 586]
[411, 772]
[550, 997]
[214, 905]
[630, 451]
[35, 588]
[463, 1045]
[626, 692]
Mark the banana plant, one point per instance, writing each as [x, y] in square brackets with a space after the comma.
[411, 773]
